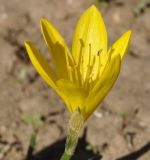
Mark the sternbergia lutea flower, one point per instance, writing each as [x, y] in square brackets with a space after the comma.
[83, 76]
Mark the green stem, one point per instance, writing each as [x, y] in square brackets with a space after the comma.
[75, 126]
[31, 147]
[65, 156]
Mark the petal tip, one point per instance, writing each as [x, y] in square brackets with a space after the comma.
[42, 21]
[26, 43]
[128, 34]
[93, 8]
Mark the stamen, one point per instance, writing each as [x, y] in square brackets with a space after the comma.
[76, 72]
[93, 72]
[98, 64]
[81, 49]
[90, 51]
[87, 77]
[70, 69]
[76, 75]
[88, 67]
[99, 69]
[89, 74]
[107, 58]
[111, 52]
[80, 63]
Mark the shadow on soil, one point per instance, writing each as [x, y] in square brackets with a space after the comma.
[137, 154]
[55, 151]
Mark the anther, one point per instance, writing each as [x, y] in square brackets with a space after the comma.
[89, 48]
[81, 42]
[81, 48]
[90, 51]
[98, 53]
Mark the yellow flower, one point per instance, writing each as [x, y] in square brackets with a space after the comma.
[82, 79]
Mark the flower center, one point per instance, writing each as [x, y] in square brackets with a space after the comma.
[88, 65]
[87, 71]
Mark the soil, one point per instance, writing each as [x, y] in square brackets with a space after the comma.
[119, 129]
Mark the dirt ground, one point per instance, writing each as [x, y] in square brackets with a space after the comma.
[119, 129]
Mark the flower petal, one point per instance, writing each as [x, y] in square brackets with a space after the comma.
[73, 94]
[90, 38]
[41, 65]
[121, 45]
[58, 49]
[103, 86]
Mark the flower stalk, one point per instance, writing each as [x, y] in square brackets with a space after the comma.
[65, 156]
[76, 124]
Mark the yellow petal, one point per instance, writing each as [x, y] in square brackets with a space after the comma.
[58, 49]
[72, 94]
[103, 86]
[121, 45]
[41, 65]
[90, 37]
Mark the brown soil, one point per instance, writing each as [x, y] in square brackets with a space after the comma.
[119, 130]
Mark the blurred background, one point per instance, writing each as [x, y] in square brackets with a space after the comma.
[119, 129]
